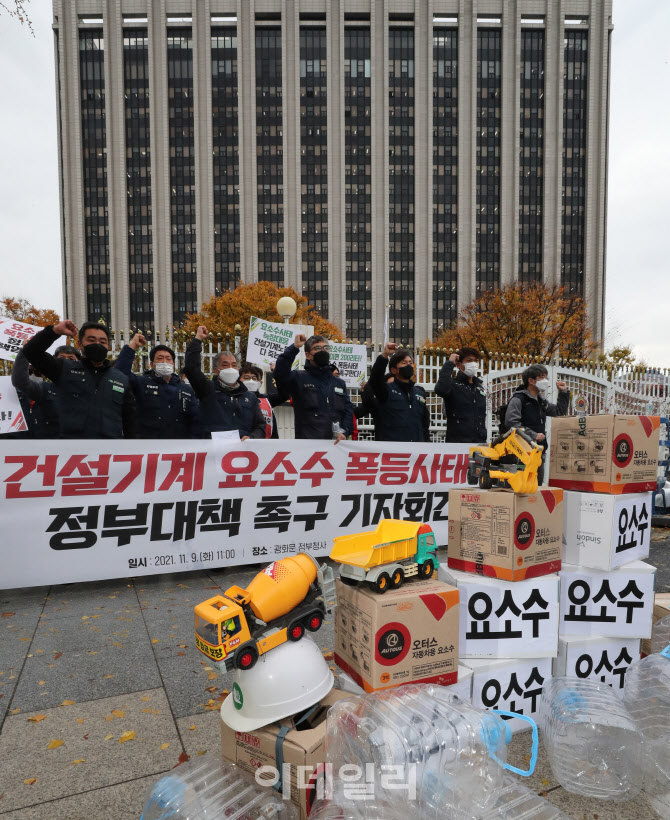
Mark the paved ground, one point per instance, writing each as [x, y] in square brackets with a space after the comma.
[101, 690]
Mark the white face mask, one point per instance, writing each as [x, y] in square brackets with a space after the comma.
[542, 385]
[164, 369]
[470, 369]
[37, 379]
[229, 375]
[252, 385]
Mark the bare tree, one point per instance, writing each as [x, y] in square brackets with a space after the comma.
[17, 9]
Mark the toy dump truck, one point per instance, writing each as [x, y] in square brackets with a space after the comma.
[285, 599]
[396, 550]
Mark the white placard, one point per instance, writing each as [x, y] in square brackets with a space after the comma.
[616, 604]
[13, 334]
[95, 509]
[268, 339]
[505, 619]
[11, 414]
[604, 660]
[351, 361]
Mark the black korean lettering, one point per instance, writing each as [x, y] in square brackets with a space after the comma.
[603, 663]
[533, 688]
[355, 501]
[219, 515]
[584, 666]
[621, 664]
[491, 692]
[631, 588]
[480, 628]
[440, 507]
[415, 506]
[579, 592]
[382, 508]
[508, 603]
[157, 512]
[123, 524]
[513, 689]
[79, 521]
[185, 518]
[273, 513]
[318, 514]
[535, 599]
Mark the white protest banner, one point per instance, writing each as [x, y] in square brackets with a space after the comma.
[351, 361]
[13, 334]
[11, 414]
[268, 339]
[89, 510]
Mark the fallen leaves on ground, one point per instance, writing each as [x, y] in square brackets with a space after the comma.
[109, 737]
[37, 718]
[212, 675]
[81, 760]
[30, 781]
[126, 736]
[183, 757]
[154, 640]
[145, 699]
[57, 655]
[118, 713]
[54, 744]
[68, 702]
[191, 728]
[14, 711]
[164, 746]
[80, 720]
[7, 614]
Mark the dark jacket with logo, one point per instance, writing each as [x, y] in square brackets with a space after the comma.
[166, 410]
[94, 402]
[319, 398]
[402, 413]
[464, 405]
[39, 402]
[525, 410]
[221, 409]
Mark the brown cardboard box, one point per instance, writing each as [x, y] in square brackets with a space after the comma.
[505, 535]
[300, 748]
[660, 611]
[406, 635]
[604, 454]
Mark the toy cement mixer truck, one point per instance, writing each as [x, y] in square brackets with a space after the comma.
[285, 599]
[396, 550]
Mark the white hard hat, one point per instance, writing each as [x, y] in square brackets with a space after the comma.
[286, 680]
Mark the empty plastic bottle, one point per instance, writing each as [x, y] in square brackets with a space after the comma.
[342, 809]
[646, 695]
[518, 802]
[594, 747]
[660, 635]
[212, 789]
[432, 750]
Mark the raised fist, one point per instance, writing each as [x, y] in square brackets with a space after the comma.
[454, 358]
[137, 341]
[202, 333]
[562, 386]
[389, 349]
[300, 340]
[65, 328]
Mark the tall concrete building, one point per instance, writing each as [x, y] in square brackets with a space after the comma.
[410, 153]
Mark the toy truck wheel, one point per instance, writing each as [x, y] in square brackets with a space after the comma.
[382, 583]
[246, 657]
[471, 475]
[485, 481]
[397, 578]
[426, 569]
[313, 622]
[295, 631]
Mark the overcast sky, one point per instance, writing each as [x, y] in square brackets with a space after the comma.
[638, 267]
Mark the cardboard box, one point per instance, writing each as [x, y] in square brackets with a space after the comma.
[511, 684]
[660, 611]
[301, 748]
[462, 687]
[505, 535]
[605, 453]
[604, 660]
[616, 604]
[406, 635]
[604, 531]
[506, 619]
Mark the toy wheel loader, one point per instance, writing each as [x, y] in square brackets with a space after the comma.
[497, 465]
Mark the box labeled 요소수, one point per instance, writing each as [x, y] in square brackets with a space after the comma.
[506, 619]
[605, 453]
[604, 660]
[406, 635]
[615, 604]
[505, 534]
[604, 531]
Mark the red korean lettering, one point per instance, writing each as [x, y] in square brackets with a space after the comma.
[239, 466]
[31, 464]
[279, 467]
[362, 467]
[309, 471]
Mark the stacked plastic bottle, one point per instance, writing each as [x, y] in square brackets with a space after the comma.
[594, 746]
[213, 789]
[448, 758]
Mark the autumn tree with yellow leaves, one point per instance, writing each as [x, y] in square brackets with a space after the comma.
[23, 311]
[531, 320]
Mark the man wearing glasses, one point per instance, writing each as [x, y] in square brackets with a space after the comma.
[321, 406]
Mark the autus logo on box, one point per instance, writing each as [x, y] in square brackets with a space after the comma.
[392, 644]
[524, 531]
[622, 451]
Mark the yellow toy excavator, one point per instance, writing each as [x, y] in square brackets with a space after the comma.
[504, 455]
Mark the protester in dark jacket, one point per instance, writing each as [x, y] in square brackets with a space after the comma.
[464, 397]
[225, 403]
[167, 408]
[252, 378]
[322, 408]
[402, 413]
[95, 399]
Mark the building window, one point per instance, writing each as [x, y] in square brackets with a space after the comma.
[487, 193]
[94, 152]
[575, 83]
[531, 156]
[314, 166]
[138, 178]
[401, 184]
[182, 173]
[357, 183]
[269, 159]
[445, 176]
[225, 160]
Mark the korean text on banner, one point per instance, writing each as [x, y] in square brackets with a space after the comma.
[351, 361]
[92, 510]
[11, 414]
[268, 339]
[13, 334]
